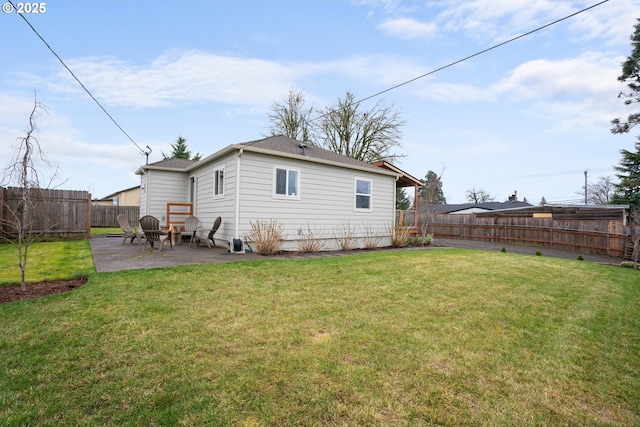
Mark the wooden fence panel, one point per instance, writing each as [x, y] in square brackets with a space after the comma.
[107, 216]
[590, 236]
[57, 213]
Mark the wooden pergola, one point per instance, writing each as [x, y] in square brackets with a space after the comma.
[405, 180]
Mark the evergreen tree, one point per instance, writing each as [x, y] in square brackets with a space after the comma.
[431, 192]
[402, 200]
[179, 150]
[628, 189]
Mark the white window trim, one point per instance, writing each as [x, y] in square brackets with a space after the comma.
[286, 196]
[224, 181]
[356, 194]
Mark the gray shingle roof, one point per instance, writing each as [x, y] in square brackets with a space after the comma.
[283, 144]
[174, 163]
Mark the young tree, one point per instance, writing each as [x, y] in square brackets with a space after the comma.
[25, 173]
[292, 118]
[478, 196]
[179, 150]
[369, 136]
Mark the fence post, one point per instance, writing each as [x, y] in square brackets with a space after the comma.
[550, 236]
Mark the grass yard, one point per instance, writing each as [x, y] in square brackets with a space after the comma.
[434, 337]
[47, 261]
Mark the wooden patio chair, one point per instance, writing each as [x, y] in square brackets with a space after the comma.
[190, 226]
[151, 228]
[129, 232]
[207, 235]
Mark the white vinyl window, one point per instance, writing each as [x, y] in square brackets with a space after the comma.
[218, 182]
[363, 194]
[286, 182]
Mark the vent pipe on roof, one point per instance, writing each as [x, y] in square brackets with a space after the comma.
[303, 146]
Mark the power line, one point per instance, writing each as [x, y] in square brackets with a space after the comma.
[79, 82]
[451, 64]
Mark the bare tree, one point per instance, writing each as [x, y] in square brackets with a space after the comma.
[292, 118]
[601, 192]
[478, 196]
[369, 136]
[23, 171]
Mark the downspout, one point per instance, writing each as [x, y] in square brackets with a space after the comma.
[395, 203]
[236, 225]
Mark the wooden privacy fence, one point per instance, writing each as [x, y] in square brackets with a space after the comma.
[55, 213]
[607, 237]
[107, 216]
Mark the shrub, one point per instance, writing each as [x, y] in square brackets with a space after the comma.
[400, 236]
[267, 236]
[422, 240]
[580, 258]
[503, 249]
[538, 253]
[629, 264]
[371, 237]
[345, 236]
[310, 240]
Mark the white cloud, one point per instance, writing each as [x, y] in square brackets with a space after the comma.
[192, 76]
[408, 28]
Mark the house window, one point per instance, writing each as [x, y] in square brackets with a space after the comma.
[287, 182]
[363, 194]
[218, 182]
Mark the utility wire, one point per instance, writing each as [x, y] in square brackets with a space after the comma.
[472, 56]
[78, 80]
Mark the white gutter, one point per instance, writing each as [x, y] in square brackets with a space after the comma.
[236, 224]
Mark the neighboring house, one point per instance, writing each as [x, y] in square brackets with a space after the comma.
[128, 197]
[303, 187]
[565, 212]
[472, 208]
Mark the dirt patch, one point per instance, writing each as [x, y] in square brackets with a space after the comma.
[10, 293]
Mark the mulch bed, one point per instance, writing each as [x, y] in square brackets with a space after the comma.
[10, 293]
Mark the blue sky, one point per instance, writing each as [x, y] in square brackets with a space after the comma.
[530, 116]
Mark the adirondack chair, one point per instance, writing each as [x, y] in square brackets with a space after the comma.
[151, 228]
[205, 235]
[129, 232]
[190, 226]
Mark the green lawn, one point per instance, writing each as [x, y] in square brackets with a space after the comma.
[47, 261]
[433, 337]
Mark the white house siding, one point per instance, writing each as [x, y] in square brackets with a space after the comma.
[207, 207]
[326, 203]
[144, 188]
[168, 186]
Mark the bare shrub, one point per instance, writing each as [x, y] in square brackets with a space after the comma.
[345, 236]
[310, 240]
[267, 236]
[371, 237]
[400, 236]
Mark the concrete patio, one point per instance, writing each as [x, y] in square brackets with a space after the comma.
[109, 254]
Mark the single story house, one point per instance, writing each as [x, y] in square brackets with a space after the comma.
[302, 187]
[565, 212]
[474, 208]
[127, 197]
